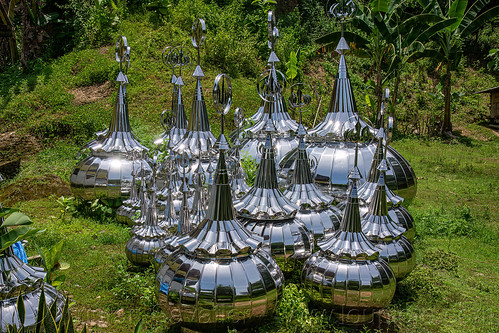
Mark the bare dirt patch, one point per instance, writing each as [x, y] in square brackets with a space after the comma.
[34, 188]
[17, 146]
[90, 94]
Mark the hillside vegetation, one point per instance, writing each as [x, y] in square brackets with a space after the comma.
[55, 104]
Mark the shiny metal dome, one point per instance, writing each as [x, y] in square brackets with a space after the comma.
[108, 169]
[146, 239]
[315, 208]
[18, 278]
[385, 234]
[326, 143]
[184, 227]
[219, 275]
[198, 140]
[346, 274]
[274, 108]
[265, 211]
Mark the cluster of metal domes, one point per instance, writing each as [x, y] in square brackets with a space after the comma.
[221, 247]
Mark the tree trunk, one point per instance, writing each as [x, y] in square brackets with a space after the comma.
[32, 35]
[378, 92]
[396, 89]
[446, 125]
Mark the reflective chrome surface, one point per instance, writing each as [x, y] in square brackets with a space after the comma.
[237, 179]
[315, 208]
[127, 212]
[198, 140]
[104, 173]
[268, 213]
[19, 278]
[335, 159]
[346, 274]
[327, 144]
[388, 237]
[176, 58]
[219, 275]
[146, 239]
[366, 190]
[274, 108]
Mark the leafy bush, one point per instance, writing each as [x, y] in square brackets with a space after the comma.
[134, 289]
[293, 314]
[250, 168]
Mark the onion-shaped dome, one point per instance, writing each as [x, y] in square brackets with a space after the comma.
[109, 166]
[334, 154]
[265, 211]
[316, 210]
[388, 237]
[17, 278]
[274, 109]
[346, 274]
[366, 190]
[198, 140]
[184, 225]
[146, 239]
[220, 275]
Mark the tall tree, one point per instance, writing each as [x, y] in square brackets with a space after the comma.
[392, 37]
[448, 42]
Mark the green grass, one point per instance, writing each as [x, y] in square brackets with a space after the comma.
[453, 289]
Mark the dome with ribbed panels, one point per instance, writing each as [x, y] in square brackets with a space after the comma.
[387, 236]
[266, 212]
[326, 143]
[315, 208]
[19, 278]
[219, 275]
[109, 167]
[148, 238]
[346, 274]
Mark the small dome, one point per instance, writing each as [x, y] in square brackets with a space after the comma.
[346, 274]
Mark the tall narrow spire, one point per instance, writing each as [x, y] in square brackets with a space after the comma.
[315, 208]
[147, 238]
[198, 135]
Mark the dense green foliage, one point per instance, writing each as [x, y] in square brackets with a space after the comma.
[63, 97]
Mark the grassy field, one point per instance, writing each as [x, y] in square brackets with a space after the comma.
[60, 104]
[453, 289]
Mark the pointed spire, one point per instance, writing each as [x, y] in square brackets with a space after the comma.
[349, 241]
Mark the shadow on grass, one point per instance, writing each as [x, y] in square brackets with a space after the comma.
[13, 77]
